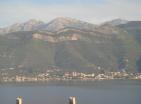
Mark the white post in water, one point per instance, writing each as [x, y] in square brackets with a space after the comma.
[19, 100]
[72, 100]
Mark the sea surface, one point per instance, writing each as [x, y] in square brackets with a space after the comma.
[88, 92]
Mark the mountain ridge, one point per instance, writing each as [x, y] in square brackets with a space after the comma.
[116, 22]
[52, 26]
[73, 46]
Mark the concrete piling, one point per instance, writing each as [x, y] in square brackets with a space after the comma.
[18, 100]
[72, 100]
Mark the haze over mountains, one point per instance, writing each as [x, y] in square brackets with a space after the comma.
[71, 45]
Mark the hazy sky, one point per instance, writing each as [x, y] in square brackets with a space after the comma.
[94, 11]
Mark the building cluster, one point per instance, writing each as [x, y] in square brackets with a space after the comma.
[66, 76]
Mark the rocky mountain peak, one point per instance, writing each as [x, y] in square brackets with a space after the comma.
[65, 22]
[26, 26]
[33, 22]
[60, 23]
[117, 21]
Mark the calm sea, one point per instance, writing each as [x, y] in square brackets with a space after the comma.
[96, 92]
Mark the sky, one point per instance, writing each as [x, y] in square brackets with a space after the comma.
[93, 11]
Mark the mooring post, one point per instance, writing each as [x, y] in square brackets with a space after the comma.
[72, 100]
[19, 100]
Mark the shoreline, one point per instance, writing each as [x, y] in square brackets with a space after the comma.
[70, 82]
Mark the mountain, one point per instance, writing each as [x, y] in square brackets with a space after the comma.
[65, 22]
[133, 28]
[53, 26]
[71, 45]
[27, 26]
[116, 22]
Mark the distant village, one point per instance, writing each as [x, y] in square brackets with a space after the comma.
[58, 75]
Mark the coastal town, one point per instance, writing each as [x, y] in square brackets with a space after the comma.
[57, 75]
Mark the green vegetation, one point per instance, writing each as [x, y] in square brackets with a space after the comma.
[115, 48]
